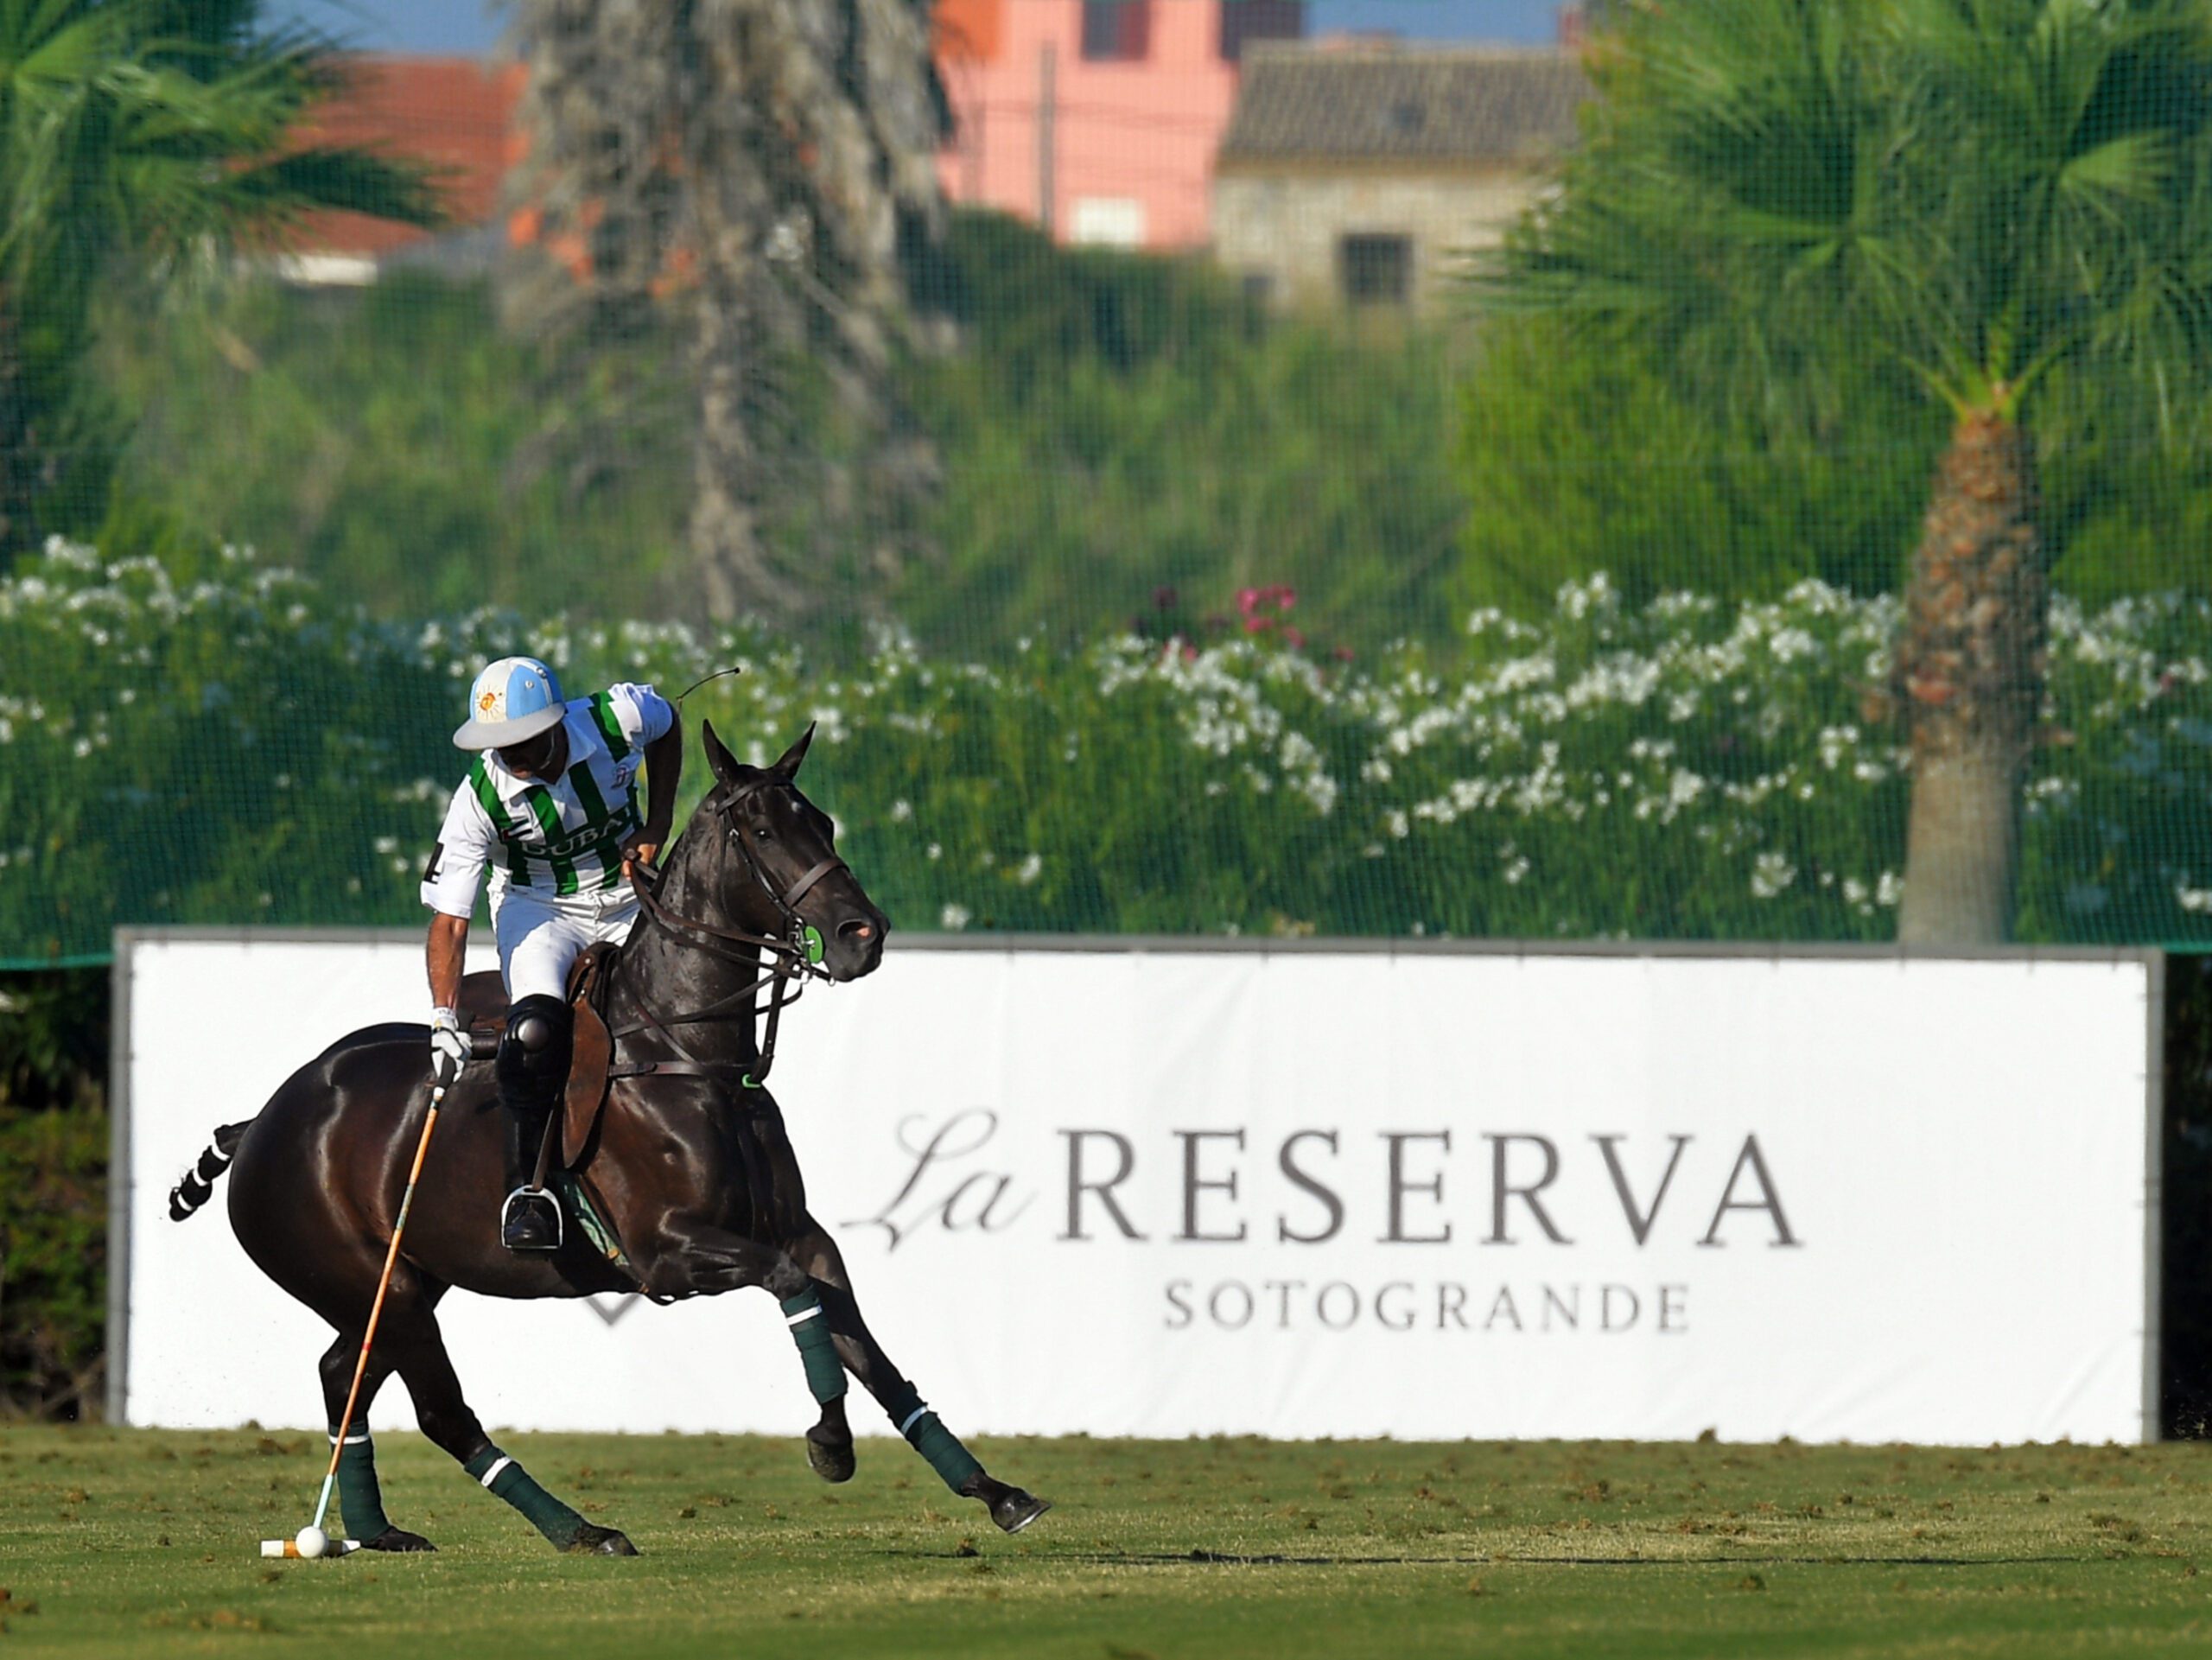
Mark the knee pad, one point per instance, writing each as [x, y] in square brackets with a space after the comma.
[534, 1050]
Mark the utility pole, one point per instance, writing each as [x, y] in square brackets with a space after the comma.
[975, 148]
[1044, 117]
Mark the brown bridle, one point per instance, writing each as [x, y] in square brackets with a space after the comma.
[795, 957]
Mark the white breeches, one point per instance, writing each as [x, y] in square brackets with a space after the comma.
[539, 937]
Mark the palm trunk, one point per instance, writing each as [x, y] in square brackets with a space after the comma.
[1970, 663]
[775, 161]
[735, 575]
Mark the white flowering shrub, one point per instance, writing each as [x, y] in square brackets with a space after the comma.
[197, 745]
[225, 745]
[2118, 843]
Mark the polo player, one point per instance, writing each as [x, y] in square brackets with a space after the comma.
[551, 804]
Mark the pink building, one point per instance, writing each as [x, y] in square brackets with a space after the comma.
[1097, 118]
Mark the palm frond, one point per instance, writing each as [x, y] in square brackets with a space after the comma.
[354, 180]
[2131, 171]
[1981, 189]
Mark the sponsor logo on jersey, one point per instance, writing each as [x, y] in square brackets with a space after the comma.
[582, 842]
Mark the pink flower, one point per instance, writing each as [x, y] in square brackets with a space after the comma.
[1247, 599]
[1296, 638]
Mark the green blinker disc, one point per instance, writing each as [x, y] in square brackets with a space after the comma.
[813, 943]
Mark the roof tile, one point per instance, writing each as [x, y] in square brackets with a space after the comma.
[453, 115]
[1405, 103]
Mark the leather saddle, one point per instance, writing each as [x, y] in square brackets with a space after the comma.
[484, 1012]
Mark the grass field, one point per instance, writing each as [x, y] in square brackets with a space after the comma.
[144, 1543]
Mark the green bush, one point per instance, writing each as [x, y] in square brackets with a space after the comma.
[404, 447]
[1576, 460]
[1108, 424]
[54, 1147]
[199, 740]
[235, 746]
[54, 1254]
[1576, 457]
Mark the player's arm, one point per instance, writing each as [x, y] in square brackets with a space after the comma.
[448, 945]
[663, 770]
[450, 880]
[650, 719]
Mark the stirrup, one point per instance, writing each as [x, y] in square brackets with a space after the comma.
[525, 1206]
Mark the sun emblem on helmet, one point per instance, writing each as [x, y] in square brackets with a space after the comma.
[487, 702]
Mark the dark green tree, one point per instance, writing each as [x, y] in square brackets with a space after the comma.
[1993, 195]
[138, 135]
[1578, 458]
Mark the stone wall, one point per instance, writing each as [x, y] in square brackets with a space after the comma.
[1286, 224]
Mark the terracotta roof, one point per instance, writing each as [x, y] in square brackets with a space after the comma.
[1427, 104]
[455, 114]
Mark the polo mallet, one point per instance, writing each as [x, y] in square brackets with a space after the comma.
[311, 1540]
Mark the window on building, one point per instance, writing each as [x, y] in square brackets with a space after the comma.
[1376, 270]
[1243, 21]
[1117, 31]
[1107, 222]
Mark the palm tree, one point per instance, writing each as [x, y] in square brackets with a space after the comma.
[768, 169]
[2004, 198]
[136, 134]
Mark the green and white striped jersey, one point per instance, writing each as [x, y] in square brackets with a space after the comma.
[555, 837]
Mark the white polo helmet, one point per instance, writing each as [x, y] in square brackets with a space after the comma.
[512, 701]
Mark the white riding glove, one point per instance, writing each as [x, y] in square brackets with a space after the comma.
[450, 1048]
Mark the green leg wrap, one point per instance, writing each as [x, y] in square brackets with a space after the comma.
[825, 1373]
[359, 1500]
[509, 1480]
[954, 1463]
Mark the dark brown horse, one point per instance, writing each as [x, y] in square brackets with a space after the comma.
[689, 1168]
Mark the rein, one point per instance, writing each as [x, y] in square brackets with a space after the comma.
[797, 956]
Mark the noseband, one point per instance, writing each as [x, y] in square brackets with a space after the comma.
[795, 955]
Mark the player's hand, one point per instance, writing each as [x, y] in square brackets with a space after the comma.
[450, 1048]
[643, 848]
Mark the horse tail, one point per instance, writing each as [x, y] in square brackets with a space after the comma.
[198, 1186]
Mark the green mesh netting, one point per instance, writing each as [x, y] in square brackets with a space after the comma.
[240, 750]
[1559, 593]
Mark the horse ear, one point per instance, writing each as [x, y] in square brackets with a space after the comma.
[787, 764]
[723, 763]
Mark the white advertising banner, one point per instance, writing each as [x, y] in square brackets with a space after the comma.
[1428, 1194]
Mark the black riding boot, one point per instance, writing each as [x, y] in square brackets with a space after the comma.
[530, 1217]
[532, 1069]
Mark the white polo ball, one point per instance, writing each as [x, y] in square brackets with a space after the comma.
[312, 1541]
